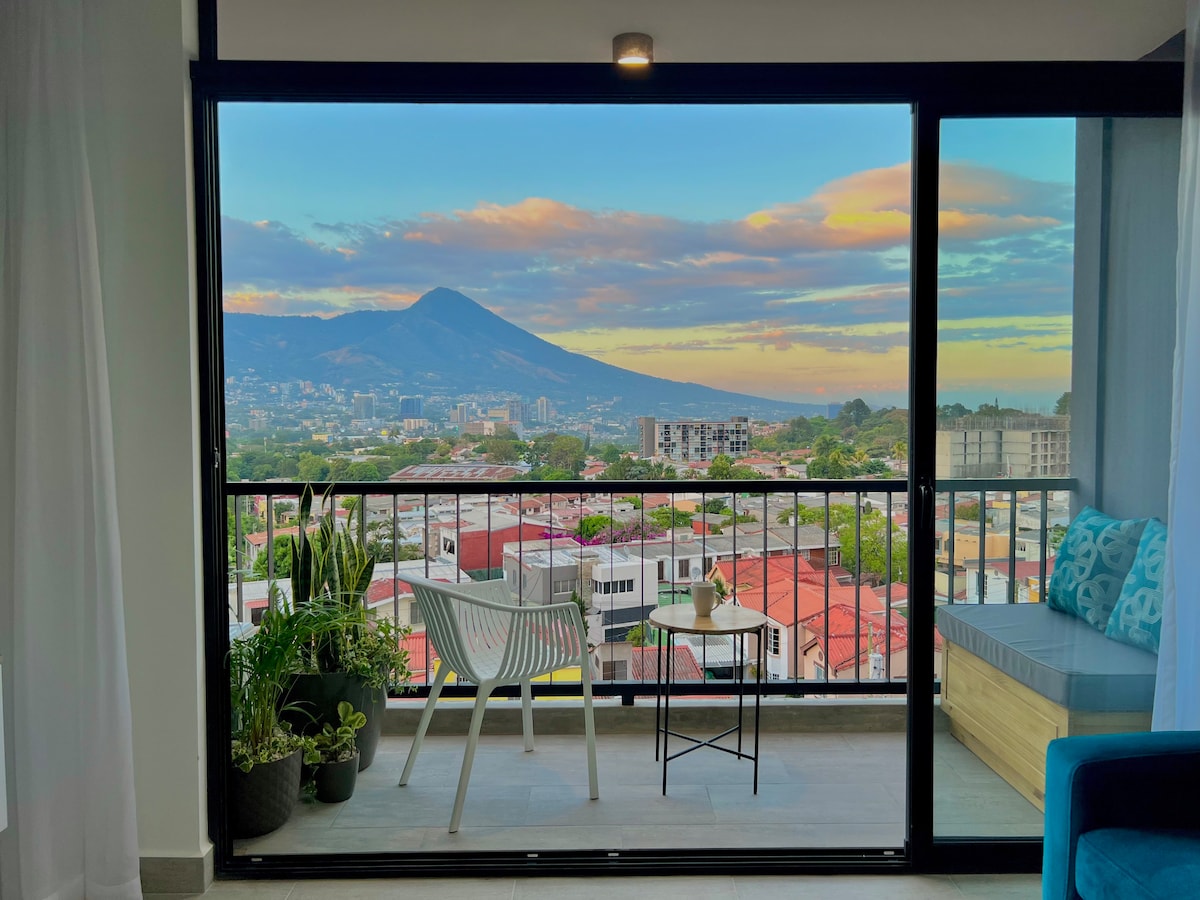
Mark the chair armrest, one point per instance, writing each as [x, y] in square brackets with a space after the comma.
[1097, 781]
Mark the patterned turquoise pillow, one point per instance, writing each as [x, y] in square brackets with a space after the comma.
[1096, 555]
[1137, 617]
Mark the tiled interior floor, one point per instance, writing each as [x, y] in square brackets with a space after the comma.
[676, 887]
[815, 790]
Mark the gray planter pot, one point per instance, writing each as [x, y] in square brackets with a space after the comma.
[335, 781]
[262, 799]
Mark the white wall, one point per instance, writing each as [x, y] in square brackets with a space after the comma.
[1127, 174]
[697, 30]
[140, 136]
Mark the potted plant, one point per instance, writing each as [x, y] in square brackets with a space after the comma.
[264, 782]
[347, 653]
[334, 753]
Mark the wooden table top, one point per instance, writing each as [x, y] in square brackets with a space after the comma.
[725, 619]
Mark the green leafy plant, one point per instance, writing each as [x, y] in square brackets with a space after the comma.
[339, 638]
[260, 670]
[332, 563]
[336, 744]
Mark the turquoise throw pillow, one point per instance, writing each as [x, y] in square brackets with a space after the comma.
[1137, 617]
[1096, 555]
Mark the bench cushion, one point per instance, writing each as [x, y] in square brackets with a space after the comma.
[1060, 656]
[1137, 864]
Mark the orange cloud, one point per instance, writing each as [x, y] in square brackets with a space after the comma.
[874, 209]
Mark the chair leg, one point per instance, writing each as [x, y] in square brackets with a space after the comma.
[426, 715]
[589, 727]
[527, 713]
[481, 698]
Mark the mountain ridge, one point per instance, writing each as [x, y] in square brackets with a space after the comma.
[447, 343]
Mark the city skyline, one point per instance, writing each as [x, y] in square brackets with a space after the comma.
[634, 236]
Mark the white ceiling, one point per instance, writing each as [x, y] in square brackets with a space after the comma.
[697, 30]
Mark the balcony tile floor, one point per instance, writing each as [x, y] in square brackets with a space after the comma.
[815, 790]
[675, 887]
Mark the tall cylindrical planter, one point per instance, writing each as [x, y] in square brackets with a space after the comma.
[262, 799]
[316, 698]
[374, 705]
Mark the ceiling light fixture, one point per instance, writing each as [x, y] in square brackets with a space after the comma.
[633, 49]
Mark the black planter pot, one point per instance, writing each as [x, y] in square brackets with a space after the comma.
[318, 696]
[262, 799]
[335, 781]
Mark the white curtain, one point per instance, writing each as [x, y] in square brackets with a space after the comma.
[1177, 698]
[73, 832]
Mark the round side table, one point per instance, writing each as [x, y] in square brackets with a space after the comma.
[726, 619]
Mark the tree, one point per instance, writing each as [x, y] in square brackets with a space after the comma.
[283, 558]
[501, 451]
[670, 517]
[721, 467]
[830, 465]
[610, 453]
[952, 411]
[853, 414]
[1063, 406]
[968, 510]
[638, 635]
[900, 451]
[873, 531]
[567, 452]
[716, 505]
[591, 526]
[311, 467]
[824, 444]
[380, 543]
[363, 471]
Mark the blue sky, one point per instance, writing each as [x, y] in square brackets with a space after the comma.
[754, 248]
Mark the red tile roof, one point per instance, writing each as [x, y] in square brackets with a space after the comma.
[794, 589]
[851, 637]
[684, 666]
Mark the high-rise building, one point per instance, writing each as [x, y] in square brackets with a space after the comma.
[543, 409]
[1010, 447]
[694, 441]
[363, 405]
[412, 407]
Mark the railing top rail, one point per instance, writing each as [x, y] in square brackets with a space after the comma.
[775, 485]
[1006, 484]
[715, 488]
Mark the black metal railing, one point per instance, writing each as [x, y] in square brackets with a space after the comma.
[835, 593]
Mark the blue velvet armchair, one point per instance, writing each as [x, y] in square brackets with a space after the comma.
[1122, 817]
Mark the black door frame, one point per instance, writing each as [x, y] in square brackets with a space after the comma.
[934, 91]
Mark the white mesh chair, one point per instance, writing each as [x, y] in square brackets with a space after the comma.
[482, 635]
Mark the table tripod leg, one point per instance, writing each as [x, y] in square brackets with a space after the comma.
[741, 686]
[658, 697]
[667, 711]
[758, 701]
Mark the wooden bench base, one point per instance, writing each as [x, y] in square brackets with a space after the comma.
[1008, 725]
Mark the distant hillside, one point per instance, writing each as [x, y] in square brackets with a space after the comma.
[446, 343]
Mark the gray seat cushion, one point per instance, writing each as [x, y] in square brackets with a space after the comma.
[1060, 656]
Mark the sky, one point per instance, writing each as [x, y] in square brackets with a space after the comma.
[760, 249]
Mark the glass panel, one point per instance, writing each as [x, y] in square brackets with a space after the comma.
[1056, 265]
[447, 306]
